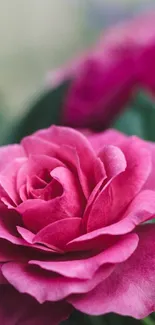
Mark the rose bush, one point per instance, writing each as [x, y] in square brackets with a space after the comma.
[104, 78]
[73, 231]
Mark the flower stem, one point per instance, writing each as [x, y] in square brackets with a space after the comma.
[148, 321]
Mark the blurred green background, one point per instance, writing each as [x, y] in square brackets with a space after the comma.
[38, 35]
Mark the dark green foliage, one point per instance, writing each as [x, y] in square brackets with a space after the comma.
[46, 110]
[139, 118]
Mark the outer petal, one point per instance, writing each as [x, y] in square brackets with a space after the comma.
[65, 135]
[150, 183]
[9, 153]
[113, 137]
[85, 268]
[47, 286]
[141, 209]
[16, 308]
[9, 234]
[109, 137]
[130, 289]
[114, 198]
[5, 233]
[10, 252]
[8, 178]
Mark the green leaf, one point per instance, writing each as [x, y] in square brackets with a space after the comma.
[80, 318]
[139, 118]
[130, 122]
[109, 319]
[147, 321]
[96, 320]
[43, 112]
[114, 319]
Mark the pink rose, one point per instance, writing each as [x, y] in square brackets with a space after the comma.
[72, 226]
[104, 78]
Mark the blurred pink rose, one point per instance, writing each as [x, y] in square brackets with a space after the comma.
[104, 78]
[72, 228]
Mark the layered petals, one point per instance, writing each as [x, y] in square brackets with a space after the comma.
[122, 189]
[85, 268]
[59, 233]
[9, 153]
[141, 209]
[47, 286]
[130, 288]
[109, 137]
[71, 147]
[74, 213]
[68, 203]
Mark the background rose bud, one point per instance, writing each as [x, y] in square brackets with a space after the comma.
[104, 78]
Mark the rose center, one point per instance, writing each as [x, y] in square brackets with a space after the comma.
[43, 186]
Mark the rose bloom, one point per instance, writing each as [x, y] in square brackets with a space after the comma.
[104, 78]
[73, 230]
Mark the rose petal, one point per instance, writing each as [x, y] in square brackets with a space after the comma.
[73, 195]
[47, 286]
[104, 79]
[17, 308]
[7, 233]
[74, 148]
[119, 139]
[113, 159]
[91, 199]
[68, 205]
[8, 180]
[29, 237]
[70, 156]
[9, 219]
[35, 165]
[59, 233]
[130, 289]
[9, 153]
[85, 268]
[113, 137]
[114, 163]
[108, 137]
[141, 209]
[114, 198]
[26, 234]
[70, 137]
[150, 183]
